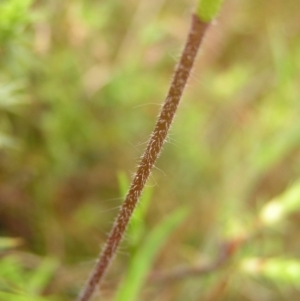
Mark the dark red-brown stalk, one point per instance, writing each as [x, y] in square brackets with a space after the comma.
[153, 149]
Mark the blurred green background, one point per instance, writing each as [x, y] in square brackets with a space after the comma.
[81, 83]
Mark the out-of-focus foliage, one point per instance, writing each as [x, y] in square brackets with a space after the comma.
[277, 209]
[81, 83]
[14, 16]
[21, 283]
[285, 272]
[208, 10]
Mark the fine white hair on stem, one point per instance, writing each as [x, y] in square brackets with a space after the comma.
[160, 171]
[147, 104]
[112, 200]
[151, 177]
[110, 209]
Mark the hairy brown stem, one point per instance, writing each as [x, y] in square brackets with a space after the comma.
[150, 155]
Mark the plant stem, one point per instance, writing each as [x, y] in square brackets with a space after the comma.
[150, 155]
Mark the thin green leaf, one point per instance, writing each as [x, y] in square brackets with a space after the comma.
[144, 258]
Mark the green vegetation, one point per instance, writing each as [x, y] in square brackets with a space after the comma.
[79, 94]
[207, 9]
